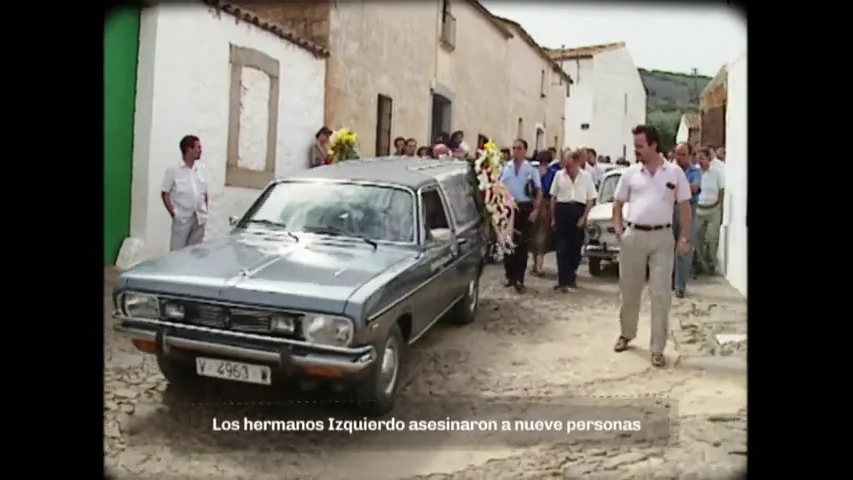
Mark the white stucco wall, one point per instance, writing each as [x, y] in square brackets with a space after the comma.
[619, 103]
[683, 133]
[598, 98]
[183, 88]
[578, 109]
[734, 232]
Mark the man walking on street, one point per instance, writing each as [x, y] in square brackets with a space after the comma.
[654, 188]
[709, 213]
[683, 263]
[524, 184]
[572, 196]
[590, 165]
[184, 194]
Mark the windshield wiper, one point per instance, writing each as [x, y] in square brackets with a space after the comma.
[270, 223]
[337, 232]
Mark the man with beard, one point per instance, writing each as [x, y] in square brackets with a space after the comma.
[655, 188]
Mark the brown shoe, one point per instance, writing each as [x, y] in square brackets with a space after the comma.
[621, 344]
[658, 360]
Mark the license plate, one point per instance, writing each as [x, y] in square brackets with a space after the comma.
[234, 371]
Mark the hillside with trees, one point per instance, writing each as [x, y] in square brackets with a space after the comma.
[669, 95]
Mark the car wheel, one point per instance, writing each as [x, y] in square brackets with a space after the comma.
[465, 311]
[594, 266]
[179, 374]
[377, 394]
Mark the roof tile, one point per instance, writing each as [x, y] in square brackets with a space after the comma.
[248, 16]
[577, 53]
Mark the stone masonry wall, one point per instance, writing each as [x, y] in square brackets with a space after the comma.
[309, 19]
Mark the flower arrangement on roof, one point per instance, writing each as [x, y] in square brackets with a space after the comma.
[342, 146]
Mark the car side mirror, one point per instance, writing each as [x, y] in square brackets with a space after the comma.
[233, 221]
[441, 234]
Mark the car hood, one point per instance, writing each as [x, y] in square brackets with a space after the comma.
[315, 273]
[604, 212]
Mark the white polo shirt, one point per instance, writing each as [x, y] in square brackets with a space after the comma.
[594, 172]
[187, 188]
[718, 164]
[581, 190]
[713, 180]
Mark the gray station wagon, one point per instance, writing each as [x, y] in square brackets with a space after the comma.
[326, 279]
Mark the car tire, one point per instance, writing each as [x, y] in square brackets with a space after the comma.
[594, 266]
[373, 397]
[465, 311]
[179, 374]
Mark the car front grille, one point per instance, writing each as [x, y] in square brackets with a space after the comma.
[212, 316]
[237, 319]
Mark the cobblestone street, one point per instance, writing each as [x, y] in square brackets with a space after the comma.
[540, 345]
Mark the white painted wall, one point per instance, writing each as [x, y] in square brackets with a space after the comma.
[183, 88]
[608, 94]
[683, 133]
[579, 104]
[734, 233]
[620, 102]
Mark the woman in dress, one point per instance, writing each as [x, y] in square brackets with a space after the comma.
[320, 149]
[541, 234]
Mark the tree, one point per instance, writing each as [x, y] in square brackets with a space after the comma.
[666, 124]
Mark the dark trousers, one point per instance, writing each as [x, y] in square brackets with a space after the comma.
[569, 240]
[515, 264]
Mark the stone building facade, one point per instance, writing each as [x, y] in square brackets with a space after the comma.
[712, 107]
[414, 69]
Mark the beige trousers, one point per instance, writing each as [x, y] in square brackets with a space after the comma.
[708, 222]
[657, 250]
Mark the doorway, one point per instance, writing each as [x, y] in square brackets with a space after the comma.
[540, 139]
[442, 116]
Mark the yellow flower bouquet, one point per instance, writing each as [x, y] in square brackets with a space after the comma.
[342, 146]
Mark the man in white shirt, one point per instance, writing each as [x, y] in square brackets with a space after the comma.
[709, 212]
[717, 159]
[184, 195]
[590, 165]
[572, 195]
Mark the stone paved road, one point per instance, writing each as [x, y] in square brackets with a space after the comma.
[540, 345]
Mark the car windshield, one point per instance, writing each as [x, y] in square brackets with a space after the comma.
[607, 189]
[348, 209]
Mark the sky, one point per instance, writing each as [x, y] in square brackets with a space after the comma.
[673, 37]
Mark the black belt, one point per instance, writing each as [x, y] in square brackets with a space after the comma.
[649, 228]
[572, 203]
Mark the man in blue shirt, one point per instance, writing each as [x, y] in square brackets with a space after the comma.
[524, 184]
[681, 271]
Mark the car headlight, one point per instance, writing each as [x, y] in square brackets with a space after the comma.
[140, 305]
[328, 330]
[594, 231]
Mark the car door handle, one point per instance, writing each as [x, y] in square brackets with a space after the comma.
[461, 241]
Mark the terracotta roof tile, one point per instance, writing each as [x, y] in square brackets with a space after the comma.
[693, 120]
[588, 51]
[248, 16]
[541, 51]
